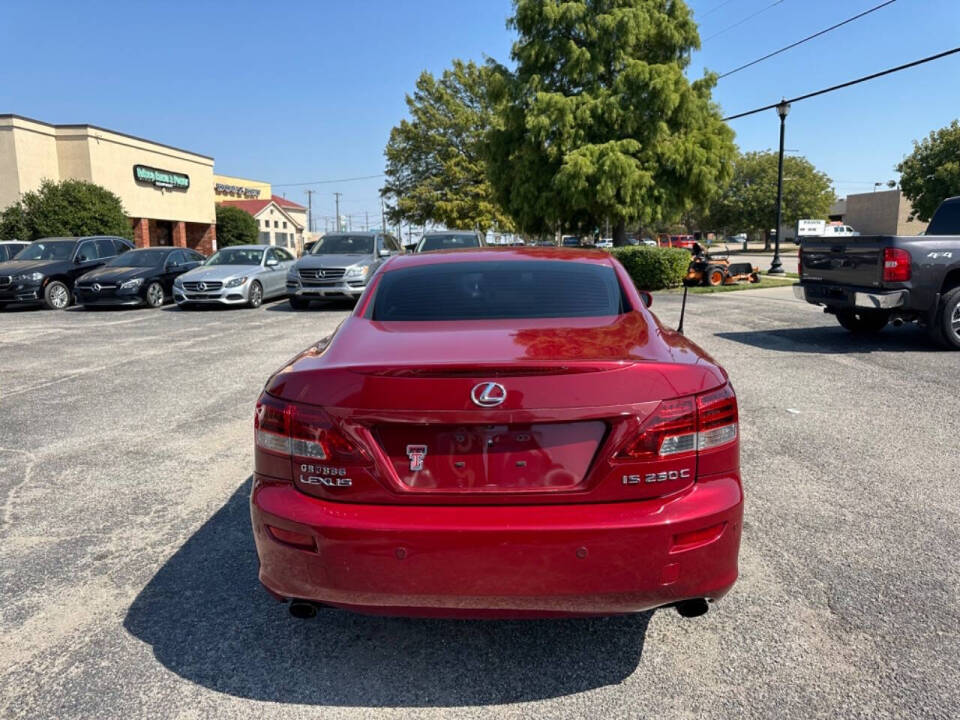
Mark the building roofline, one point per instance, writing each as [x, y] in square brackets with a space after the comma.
[67, 126]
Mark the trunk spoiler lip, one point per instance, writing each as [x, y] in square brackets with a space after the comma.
[491, 369]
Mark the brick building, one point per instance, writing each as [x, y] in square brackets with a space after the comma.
[167, 193]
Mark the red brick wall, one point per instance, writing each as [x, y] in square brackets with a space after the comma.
[141, 232]
[202, 238]
[179, 234]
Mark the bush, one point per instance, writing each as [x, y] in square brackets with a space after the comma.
[653, 268]
[71, 208]
[235, 227]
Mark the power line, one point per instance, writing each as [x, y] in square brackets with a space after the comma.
[749, 17]
[328, 182]
[808, 38]
[718, 7]
[847, 84]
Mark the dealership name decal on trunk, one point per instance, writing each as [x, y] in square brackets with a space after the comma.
[326, 476]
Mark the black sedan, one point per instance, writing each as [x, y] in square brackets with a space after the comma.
[138, 277]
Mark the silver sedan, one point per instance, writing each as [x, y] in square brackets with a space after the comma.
[236, 275]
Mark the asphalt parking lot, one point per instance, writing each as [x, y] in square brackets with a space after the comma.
[128, 574]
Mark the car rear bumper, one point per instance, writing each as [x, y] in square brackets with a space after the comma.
[500, 561]
[851, 297]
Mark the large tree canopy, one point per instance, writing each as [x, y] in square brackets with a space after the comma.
[749, 202]
[599, 120]
[71, 208]
[931, 172]
[436, 171]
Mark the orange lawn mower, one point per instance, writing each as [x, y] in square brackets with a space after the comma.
[713, 271]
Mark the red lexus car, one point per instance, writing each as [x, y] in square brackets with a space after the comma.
[501, 432]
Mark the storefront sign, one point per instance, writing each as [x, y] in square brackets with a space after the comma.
[161, 178]
[224, 189]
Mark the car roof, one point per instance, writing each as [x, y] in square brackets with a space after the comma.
[371, 233]
[498, 253]
[449, 232]
[247, 247]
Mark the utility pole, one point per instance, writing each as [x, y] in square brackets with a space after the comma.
[366, 219]
[337, 221]
[310, 210]
[383, 217]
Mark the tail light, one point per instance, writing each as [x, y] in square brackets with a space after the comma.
[800, 262]
[686, 425]
[896, 265]
[294, 431]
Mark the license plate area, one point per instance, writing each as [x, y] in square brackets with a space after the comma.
[491, 458]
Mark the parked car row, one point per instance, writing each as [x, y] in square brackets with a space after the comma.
[107, 271]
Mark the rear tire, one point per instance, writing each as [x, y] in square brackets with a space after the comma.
[948, 320]
[56, 296]
[715, 276]
[298, 303]
[863, 322]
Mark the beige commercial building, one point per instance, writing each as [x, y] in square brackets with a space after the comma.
[167, 193]
[878, 213]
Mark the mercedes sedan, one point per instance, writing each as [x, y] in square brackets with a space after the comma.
[236, 275]
[138, 277]
[503, 432]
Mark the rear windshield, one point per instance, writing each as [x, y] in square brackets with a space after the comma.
[491, 290]
[946, 220]
[448, 242]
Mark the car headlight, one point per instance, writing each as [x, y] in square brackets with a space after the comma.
[292, 277]
[135, 283]
[34, 276]
[236, 282]
[357, 271]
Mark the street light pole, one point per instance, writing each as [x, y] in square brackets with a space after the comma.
[776, 267]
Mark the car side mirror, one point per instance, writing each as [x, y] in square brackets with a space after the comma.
[646, 298]
[385, 253]
[272, 262]
[81, 258]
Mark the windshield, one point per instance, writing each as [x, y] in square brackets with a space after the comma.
[48, 250]
[343, 245]
[492, 290]
[139, 258]
[236, 256]
[448, 242]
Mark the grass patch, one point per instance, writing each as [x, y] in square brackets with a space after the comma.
[766, 281]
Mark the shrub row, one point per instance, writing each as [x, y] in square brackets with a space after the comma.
[653, 268]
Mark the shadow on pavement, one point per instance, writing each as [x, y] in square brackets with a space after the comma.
[345, 305]
[833, 340]
[209, 621]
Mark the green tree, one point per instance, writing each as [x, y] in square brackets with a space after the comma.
[749, 202]
[599, 120]
[66, 208]
[931, 173]
[235, 227]
[436, 172]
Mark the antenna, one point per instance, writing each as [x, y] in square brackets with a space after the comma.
[683, 308]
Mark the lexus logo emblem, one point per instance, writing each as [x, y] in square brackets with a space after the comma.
[488, 394]
[96, 287]
[201, 286]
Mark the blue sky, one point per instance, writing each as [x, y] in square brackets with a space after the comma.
[308, 91]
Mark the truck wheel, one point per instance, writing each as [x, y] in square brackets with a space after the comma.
[715, 276]
[863, 322]
[949, 320]
[56, 296]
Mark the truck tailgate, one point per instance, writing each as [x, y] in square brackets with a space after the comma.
[845, 261]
